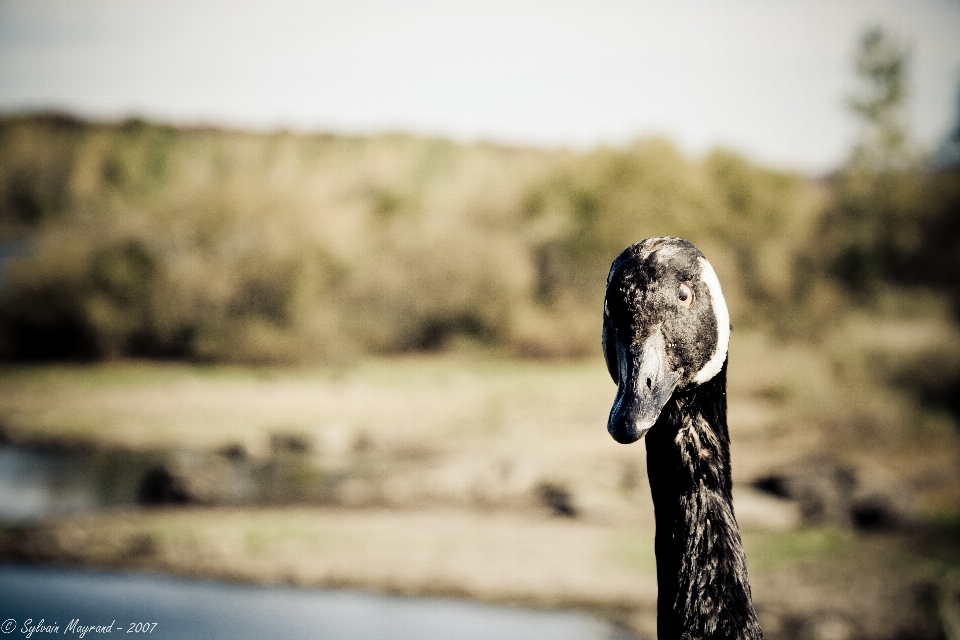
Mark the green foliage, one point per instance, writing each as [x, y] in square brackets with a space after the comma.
[752, 221]
[35, 169]
[898, 227]
[141, 240]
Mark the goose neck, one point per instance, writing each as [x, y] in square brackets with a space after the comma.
[701, 566]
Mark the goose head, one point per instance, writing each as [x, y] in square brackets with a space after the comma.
[665, 328]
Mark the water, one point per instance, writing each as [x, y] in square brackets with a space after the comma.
[39, 482]
[186, 609]
[35, 483]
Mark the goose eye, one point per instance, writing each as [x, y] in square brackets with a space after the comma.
[685, 295]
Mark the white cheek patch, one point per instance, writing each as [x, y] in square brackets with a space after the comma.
[715, 363]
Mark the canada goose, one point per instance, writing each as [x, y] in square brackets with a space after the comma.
[666, 330]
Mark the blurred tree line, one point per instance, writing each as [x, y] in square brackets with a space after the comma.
[142, 240]
[894, 213]
[136, 239]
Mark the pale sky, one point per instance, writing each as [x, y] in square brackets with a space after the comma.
[768, 78]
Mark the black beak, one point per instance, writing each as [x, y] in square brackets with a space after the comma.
[644, 384]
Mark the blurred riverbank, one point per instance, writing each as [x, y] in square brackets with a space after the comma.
[469, 475]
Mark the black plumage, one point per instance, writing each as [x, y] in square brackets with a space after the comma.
[666, 349]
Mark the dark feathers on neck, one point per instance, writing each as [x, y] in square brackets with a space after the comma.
[701, 567]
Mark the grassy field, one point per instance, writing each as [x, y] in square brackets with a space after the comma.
[446, 465]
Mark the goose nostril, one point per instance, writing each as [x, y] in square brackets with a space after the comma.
[649, 384]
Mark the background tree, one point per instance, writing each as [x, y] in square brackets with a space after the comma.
[877, 220]
[882, 65]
